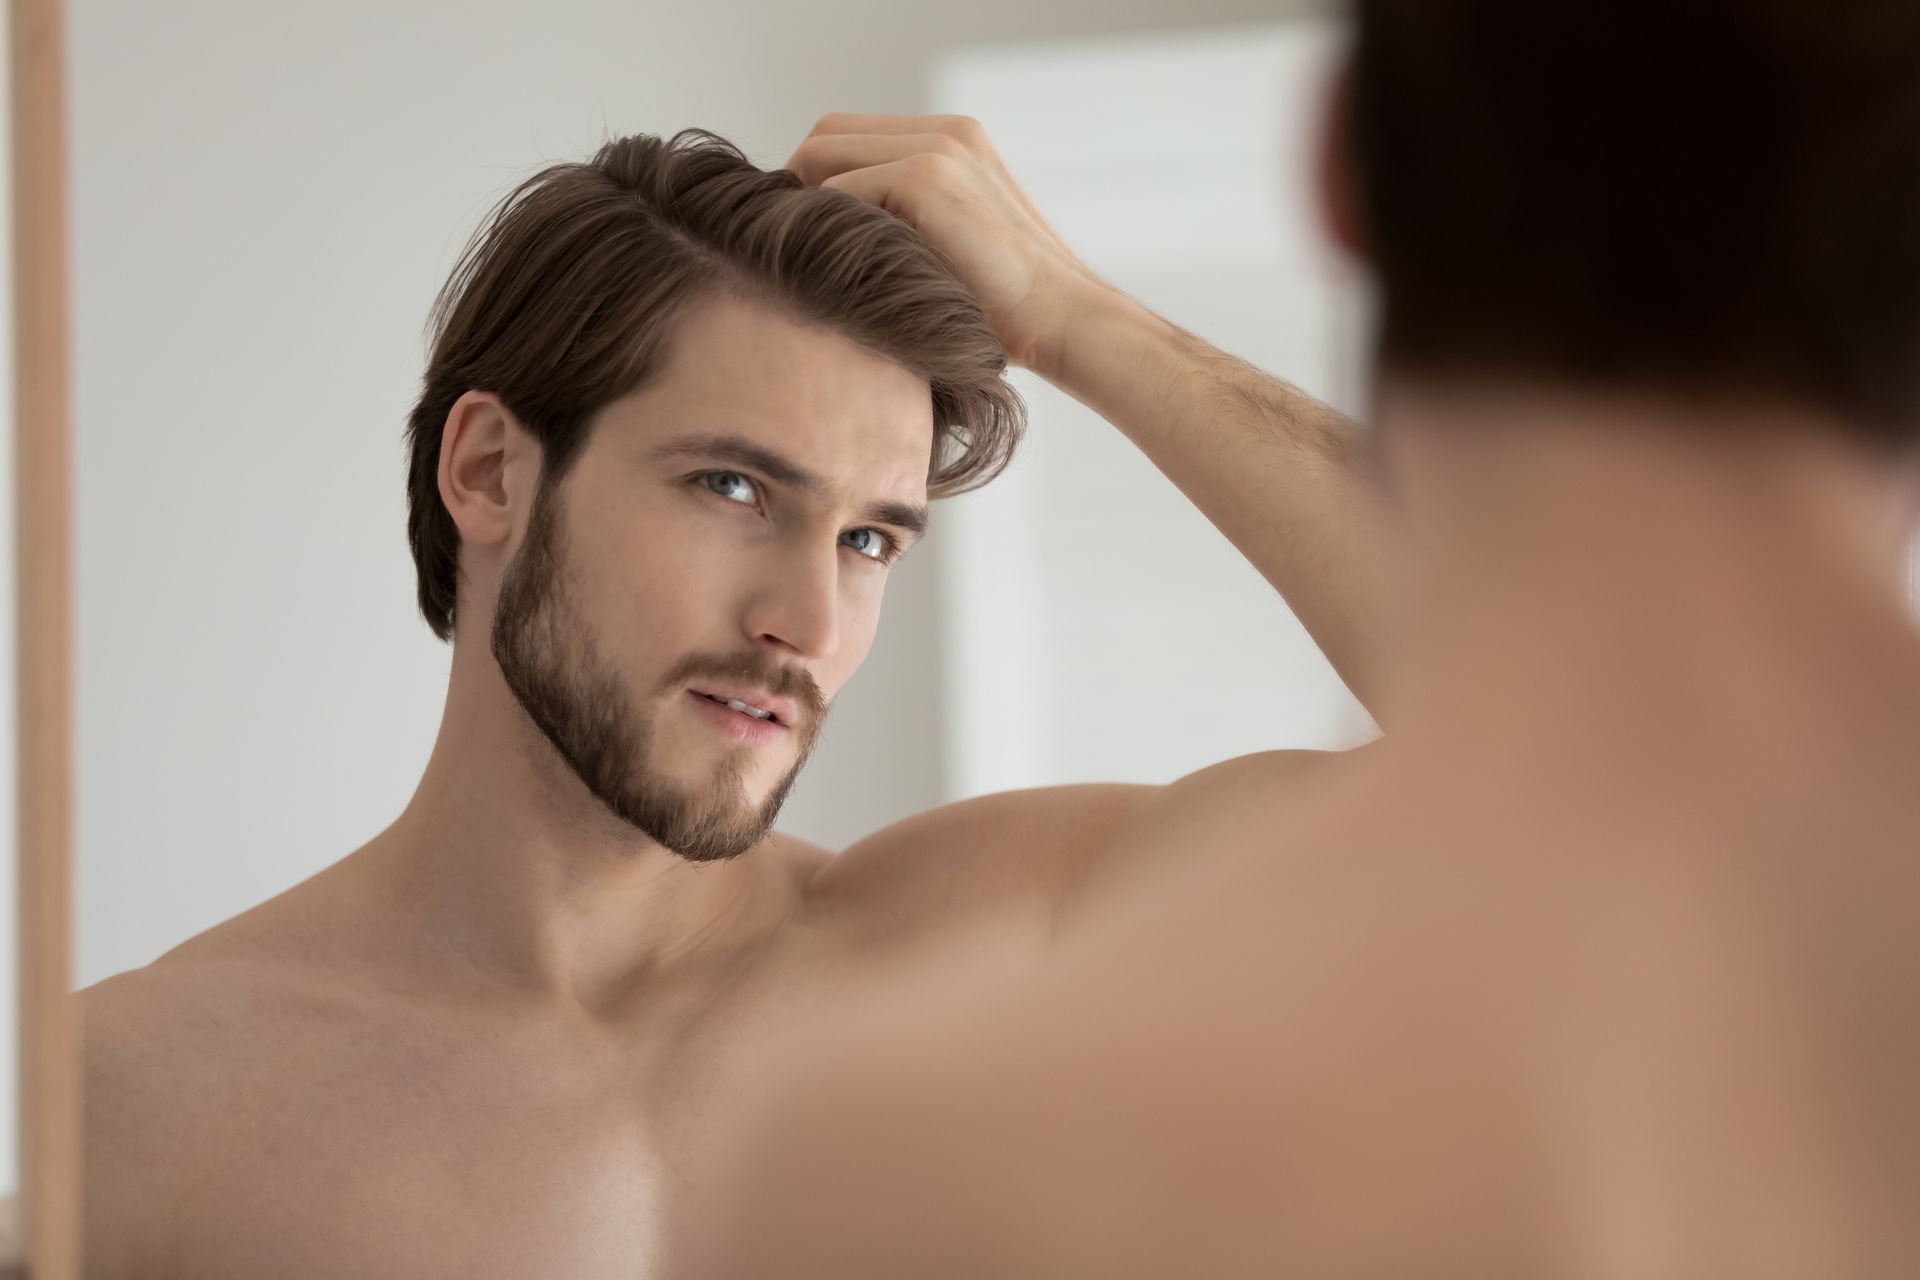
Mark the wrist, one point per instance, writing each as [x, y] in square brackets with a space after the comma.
[1092, 313]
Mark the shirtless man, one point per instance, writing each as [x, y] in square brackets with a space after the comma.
[1602, 964]
[492, 1042]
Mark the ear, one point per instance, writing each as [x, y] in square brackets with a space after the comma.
[489, 468]
[1341, 218]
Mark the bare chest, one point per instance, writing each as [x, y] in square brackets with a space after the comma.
[428, 1151]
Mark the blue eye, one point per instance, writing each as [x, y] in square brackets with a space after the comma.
[871, 543]
[730, 485]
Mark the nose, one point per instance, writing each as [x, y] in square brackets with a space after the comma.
[796, 608]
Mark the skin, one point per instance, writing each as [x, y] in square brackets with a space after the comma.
[1599, 965]
[505, 1036]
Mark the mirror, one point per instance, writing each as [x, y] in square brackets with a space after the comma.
[265, 202]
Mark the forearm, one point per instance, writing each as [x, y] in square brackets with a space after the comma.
[1276, 471]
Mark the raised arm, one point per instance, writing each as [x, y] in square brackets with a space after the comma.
[1277, 472]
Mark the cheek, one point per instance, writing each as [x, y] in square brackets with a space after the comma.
[654, 585]
[679, 547]
[859, 623]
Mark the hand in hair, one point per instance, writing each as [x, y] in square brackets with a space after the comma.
[1284, 477]
[942, 175]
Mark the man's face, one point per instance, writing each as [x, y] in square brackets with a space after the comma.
[724, 535]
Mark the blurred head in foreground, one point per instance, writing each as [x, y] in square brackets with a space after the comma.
[1696, 198]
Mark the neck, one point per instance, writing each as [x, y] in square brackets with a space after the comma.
[505, 872]
[1616, 563]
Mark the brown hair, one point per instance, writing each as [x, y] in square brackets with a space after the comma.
[564, 299]
[1704, 195]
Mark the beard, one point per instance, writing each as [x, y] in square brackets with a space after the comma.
[587, 714]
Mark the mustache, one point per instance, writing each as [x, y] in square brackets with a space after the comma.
[755, 670]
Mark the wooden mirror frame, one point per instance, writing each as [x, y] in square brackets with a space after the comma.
[49, 1091]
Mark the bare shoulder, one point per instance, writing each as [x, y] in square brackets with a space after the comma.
[172, 1052]
[145, 1085]
[152, 1028]
[1005, 853]
[1216, 807]
[1029, 852]
[217, 997]
[1261, 779]
[167, 1030]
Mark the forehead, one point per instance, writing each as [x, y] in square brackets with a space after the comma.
[735, 367]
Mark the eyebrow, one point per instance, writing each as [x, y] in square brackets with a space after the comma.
[777, 467]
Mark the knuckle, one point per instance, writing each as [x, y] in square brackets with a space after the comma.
[963, 129]
[934, 166]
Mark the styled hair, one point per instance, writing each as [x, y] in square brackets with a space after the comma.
[1699, 195]
[567, 295]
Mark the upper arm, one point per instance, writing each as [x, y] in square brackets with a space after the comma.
[1221, 805]
[1013, 852]
[1047, 851]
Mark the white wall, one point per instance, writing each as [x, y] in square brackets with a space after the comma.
[1100, 628]
[266, 198]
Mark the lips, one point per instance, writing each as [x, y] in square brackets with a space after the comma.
[752, 731]
[785, 712]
